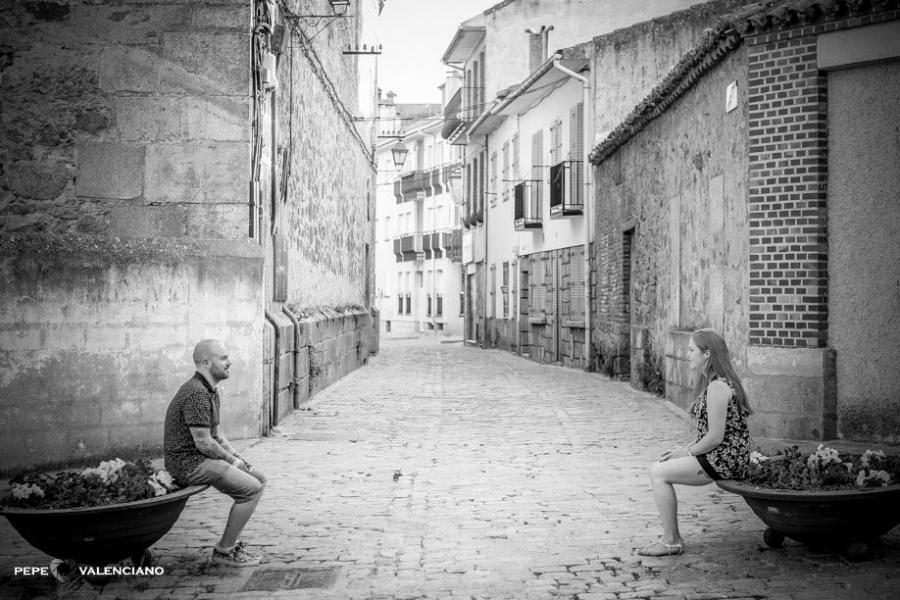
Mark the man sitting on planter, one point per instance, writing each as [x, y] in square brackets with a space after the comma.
[197, 452]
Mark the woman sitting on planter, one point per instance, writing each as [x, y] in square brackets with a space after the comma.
[721, 449]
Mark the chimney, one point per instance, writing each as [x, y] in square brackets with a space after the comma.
[538, 43]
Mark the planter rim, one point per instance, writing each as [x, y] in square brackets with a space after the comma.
[754, 491]
[170, 497]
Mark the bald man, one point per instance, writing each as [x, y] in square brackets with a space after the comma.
[197, 451]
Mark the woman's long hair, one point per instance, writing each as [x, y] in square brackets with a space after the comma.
[718, 365]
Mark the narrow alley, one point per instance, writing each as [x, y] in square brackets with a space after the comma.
[443, 471]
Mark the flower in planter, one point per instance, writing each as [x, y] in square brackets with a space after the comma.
[111, 482]
[824, 469]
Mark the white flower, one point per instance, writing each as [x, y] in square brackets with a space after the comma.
[865, 458]
[822, 457]
[106, 470]
[758, 457]
[162, 483]
[24, 491]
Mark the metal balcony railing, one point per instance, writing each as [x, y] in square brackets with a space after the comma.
[565, 189]
[528, 209]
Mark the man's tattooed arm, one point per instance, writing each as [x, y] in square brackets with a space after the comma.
[208, 446]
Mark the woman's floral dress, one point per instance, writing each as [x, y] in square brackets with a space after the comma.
[730, 458]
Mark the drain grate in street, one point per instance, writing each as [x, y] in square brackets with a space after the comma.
[271, 580]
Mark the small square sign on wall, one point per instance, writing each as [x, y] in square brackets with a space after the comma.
[731, 97]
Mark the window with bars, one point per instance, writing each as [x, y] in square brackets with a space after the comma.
[439, 308]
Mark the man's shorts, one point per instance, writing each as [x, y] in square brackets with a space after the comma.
[228, 479]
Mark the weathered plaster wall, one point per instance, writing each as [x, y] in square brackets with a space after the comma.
[125, 119]
[630, 62]
[96, 337]
[573, 21]
[864, 248]
[127, 126]
[680, 185]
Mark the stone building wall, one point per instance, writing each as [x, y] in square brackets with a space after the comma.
[324, 211]
[126, 169]
[96, 336]
[125, 119]
[671, 247]
[638, 57]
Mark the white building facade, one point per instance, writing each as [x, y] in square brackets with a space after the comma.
[417, 224]
[520, 266]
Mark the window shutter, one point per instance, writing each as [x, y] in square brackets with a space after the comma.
[576, 132]
[515, 157]
[537, 150]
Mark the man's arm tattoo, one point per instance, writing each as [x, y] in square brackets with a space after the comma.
[211, 448]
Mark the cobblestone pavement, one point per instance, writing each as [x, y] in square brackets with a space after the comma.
[441, 472]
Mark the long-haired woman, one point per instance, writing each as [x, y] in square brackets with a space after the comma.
[721, 448]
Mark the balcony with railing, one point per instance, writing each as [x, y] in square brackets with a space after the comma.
[565, 189]
[528, 208]
[408, 247]
[424, 183]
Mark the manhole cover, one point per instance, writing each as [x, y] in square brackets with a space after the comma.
[270, 580]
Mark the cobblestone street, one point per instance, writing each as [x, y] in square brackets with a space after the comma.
[442, 471]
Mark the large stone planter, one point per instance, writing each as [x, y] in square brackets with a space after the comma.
[852, 519]
[100, 535]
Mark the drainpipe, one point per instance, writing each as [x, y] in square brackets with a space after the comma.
[273, 413]
[587, 127]
[487, 265]
[295, 382]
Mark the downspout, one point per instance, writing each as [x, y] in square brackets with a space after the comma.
[295, 382]
[487, 264]
[273, 411]
[587, 127]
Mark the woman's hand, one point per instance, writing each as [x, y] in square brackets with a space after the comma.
[676, 452]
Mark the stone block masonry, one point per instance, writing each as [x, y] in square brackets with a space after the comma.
[111, 110]
[96, 337]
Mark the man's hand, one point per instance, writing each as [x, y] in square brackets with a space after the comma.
[242, 464]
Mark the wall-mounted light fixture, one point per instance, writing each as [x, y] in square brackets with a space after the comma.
[398, 153]
[338, 9]
[339, 6]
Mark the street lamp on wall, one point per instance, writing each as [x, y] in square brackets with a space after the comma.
[399, 152]
[339, 7]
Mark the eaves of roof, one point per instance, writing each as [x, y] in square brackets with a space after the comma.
[465, 40]
[753, 19]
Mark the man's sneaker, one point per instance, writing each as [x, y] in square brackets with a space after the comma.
[238, 556]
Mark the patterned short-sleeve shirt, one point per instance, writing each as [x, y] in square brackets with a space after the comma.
[196, 404]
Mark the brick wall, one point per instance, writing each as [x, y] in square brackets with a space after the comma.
[787, 203]
[788, 186]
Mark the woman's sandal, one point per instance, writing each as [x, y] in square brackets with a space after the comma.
[662, 549]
